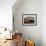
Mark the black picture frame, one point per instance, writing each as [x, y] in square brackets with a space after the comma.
[29, 19]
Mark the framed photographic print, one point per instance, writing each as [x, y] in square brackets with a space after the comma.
[29, 19]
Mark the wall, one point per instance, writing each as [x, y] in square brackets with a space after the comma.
[43, 22]
[28, 7]
[6, 13]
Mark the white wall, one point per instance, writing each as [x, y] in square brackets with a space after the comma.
[6, 13]
[28, 7]
[43, 22]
